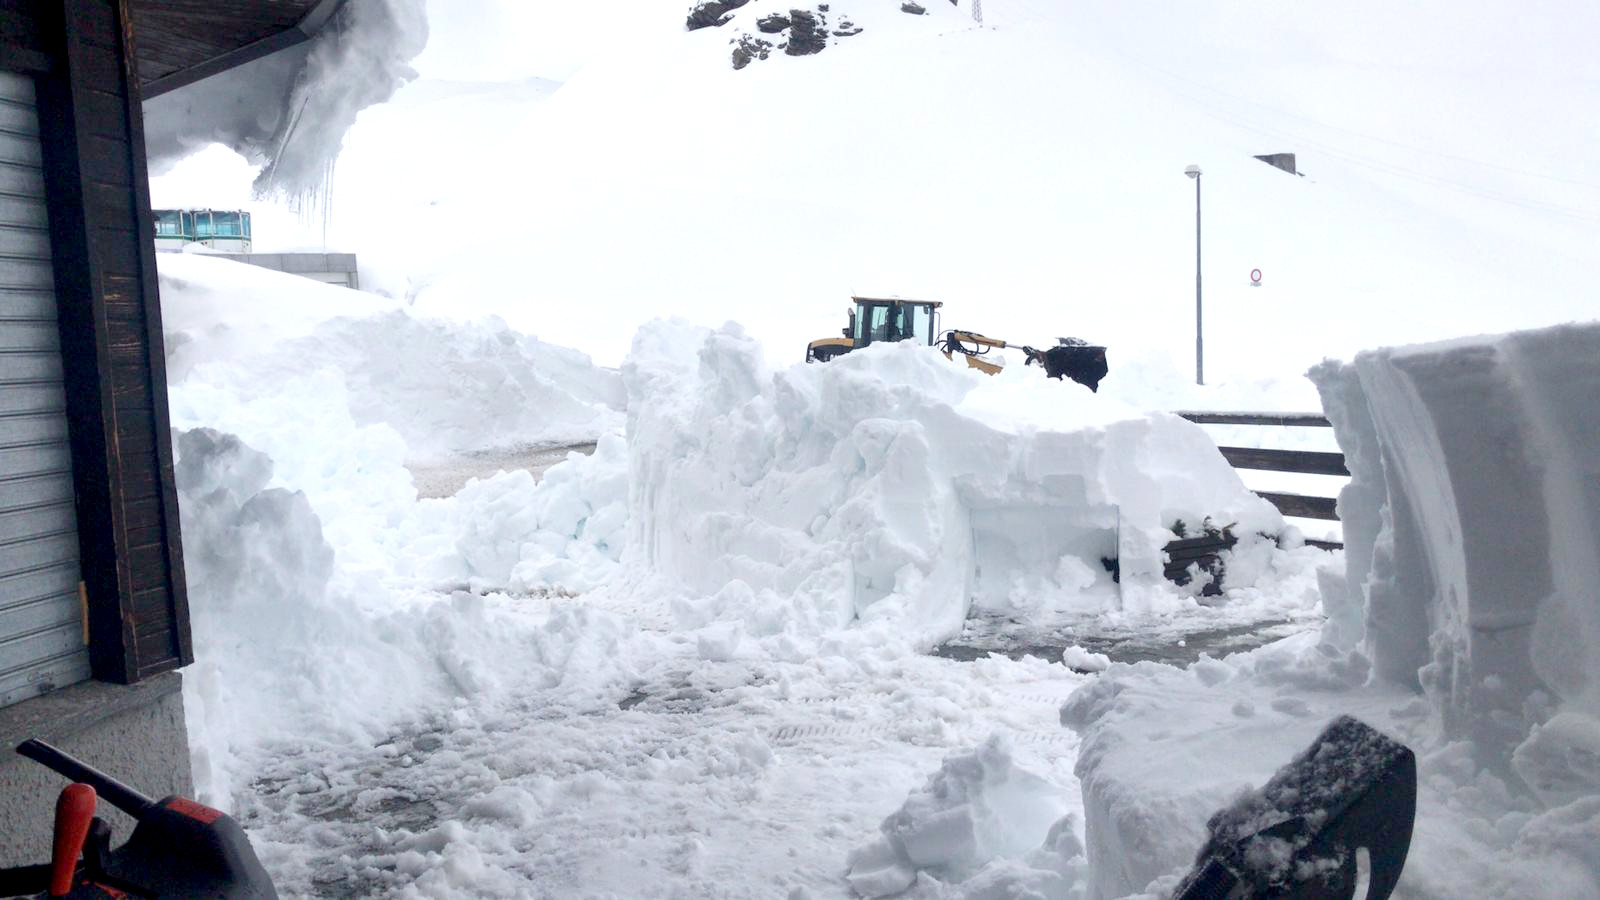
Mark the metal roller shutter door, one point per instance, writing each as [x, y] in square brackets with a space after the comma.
[41, 624]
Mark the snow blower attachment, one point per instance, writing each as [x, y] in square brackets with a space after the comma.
[179, 848]
[1350, 797]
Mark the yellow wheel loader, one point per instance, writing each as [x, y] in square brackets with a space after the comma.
[876, 320]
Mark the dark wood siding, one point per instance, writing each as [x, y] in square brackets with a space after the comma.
[181, 41]
[22, 47]
[110, 322]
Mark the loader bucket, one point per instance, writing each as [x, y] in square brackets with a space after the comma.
[1303, 833]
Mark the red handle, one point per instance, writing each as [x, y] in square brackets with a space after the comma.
[74, 812]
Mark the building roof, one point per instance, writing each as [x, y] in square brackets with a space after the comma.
[178, 42]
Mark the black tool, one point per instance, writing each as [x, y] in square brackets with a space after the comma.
[1302, 835]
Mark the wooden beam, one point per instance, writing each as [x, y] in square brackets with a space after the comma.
[264, 47]
[177, 588]
[1302, 505]
[16, 58]
[1305, 462]
[64, 126]
[1296, 419]
[113, 364]
[308, 26]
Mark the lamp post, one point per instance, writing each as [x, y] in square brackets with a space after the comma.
[1199, 346]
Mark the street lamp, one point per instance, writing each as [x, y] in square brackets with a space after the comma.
[1199, 347]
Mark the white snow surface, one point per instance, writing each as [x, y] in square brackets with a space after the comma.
[756, 555]
[690, 664]
[1465, 623]
[1028, 173]
[893, 488]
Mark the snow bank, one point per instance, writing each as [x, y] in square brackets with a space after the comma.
[561, 534]
[894, 486]
[1164, 748]
[295, 640]
[320, 588]
[1471, 523]
[1475, 539]
[250, 334]
[279, 644]
[983, 821]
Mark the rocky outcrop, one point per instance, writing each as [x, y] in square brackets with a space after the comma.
[772, 24]
[807, 33]
[913, 8]
[711, 13]
[749, 48]
[804, 32]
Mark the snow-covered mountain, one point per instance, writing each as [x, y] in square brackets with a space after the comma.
[1027, 172]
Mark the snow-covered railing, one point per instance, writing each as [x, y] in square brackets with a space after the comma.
[1305, 462]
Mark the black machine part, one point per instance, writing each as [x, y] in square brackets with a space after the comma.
[1073, 358]
[179, 848]
[1301, 834]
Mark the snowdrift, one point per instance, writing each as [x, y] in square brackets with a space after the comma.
[320, 588]
[893, 485]
[875, 497]
[443, 387]
[1465, 624]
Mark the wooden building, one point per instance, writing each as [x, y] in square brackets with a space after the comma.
[93, 610]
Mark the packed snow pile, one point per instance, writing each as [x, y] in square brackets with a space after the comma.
[1164, 748]
[1465, 625]
[270, 629]
[895, 486]
[564, 533]
[241, 338]
[984, 821]
[1473, 526]
[298, 638]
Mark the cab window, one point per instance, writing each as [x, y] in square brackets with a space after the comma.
[921, 324]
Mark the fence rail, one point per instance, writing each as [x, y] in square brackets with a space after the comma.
[1305, 420]
[1307, 462]
[1304, 462]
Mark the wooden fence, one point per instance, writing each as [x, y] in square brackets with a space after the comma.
[1299, 461]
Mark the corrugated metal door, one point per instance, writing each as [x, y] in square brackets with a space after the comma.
[41, 626]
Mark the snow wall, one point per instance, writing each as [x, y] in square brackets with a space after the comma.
[1472, 532]
[894, 485]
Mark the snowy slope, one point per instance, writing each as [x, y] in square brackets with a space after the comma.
[1028, 174]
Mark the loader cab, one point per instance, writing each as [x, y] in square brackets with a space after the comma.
[876, 321]
[879, 321]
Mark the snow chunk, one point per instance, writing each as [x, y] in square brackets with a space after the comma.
[1081, 660]
[979, 808]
